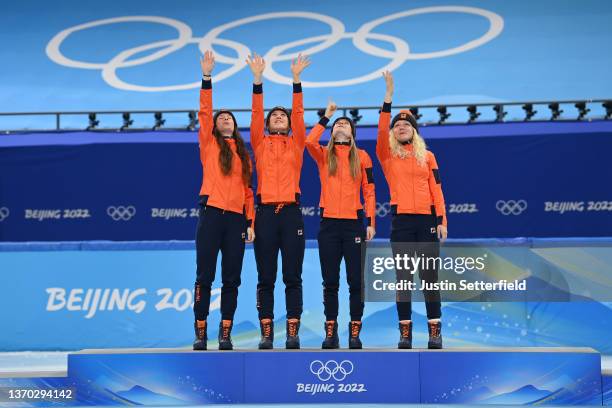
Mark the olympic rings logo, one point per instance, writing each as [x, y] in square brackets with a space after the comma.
[383, 209]
[331, 369]
[121, 213]
[4, 213]
[511, 207]
[159, 49]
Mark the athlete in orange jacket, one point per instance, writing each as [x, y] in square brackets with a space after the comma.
[345, 173]
[417, 204]
[226, 211]
[279, 224]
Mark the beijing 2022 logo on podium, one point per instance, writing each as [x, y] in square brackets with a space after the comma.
[331, 375]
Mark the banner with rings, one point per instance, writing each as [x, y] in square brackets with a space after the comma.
[504, 186]
[154, 51]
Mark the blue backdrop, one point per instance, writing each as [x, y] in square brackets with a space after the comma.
[463, 51]
[500, 180]
[109, 295]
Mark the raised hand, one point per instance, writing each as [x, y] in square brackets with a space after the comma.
[257, 65]
[331, 109]
[298, 65]
[208, 63]
[389, 85]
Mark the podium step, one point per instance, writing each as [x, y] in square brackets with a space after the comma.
[174, 377]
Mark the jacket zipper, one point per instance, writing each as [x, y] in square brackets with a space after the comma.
[276, 157]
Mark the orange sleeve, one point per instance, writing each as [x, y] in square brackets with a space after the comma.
[257, 117]
[298, 128]
[205, 114]
[383, 150]
[315, 150]
[435, 188]
[249, 203]
[368, 189]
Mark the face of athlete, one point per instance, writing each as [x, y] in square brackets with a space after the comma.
[403, 131]
[225, 124]
[342, 131]
[279, 122]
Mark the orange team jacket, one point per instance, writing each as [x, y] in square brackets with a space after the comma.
[278, 158]
[414, 189]
[340, 196]
[227, 192]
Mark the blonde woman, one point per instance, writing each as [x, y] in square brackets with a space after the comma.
[417, 205]
[346, 174]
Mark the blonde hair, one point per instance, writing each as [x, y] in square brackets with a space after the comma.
[332, 161]
[418, 145]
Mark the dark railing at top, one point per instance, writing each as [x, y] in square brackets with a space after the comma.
[582, 109]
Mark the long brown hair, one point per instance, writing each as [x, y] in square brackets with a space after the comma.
[226, 155]
[332, 160]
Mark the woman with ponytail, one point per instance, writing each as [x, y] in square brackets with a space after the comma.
[417, 206]
[345, 173]
[226, 211]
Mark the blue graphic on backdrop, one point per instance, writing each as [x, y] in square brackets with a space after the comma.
[482, 378]
[145, 53]
[499, 180]
[607, 388]
[103, 295]
[186, 378]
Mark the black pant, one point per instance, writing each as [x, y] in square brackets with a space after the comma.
[411, 229]
[223, 231]
[279, 229]
[340, 238]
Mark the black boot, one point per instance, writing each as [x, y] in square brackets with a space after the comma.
[405, 341]
[354, 330]
[293, 339]
[435, 335]
[267, 334]
[225, 335]
[200, 332]
[331, 335]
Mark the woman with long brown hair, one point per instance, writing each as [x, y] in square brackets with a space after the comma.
[226, 211]
[345, 173]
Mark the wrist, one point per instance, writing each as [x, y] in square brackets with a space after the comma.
[296, 79]
[208, 76]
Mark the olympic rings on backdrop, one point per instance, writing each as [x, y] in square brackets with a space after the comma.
[160, 49]
[511, 207]
[121, 213]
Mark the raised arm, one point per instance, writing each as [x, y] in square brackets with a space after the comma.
[369, 193]
[383, 149]
[257, 65]
[435, 188]
[205, 114]
[298, 128]
[316, 151]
